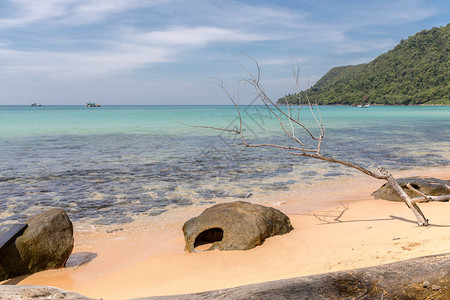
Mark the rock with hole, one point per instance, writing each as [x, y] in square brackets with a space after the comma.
[429, 186]
[46, 244]
[234, 226]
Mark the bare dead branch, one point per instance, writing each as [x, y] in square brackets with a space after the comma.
[342, 162]
[346, 207]
[260, 92]
[422, 221]
[231, 98]
[210, 127]
[425, 197]
[287, 123]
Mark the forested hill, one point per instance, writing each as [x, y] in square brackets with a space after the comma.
[416, 71]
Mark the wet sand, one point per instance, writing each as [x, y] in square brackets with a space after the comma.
[338, 225]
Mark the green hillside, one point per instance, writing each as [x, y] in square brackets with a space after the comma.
[416, 71]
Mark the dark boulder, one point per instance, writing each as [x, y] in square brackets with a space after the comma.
[46, 244]
[234, 226]
[429, 186]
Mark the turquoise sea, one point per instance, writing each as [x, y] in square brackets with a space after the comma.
[107, 165]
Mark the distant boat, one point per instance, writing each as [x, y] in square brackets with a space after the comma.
[363, 105]
[35, 105]
[92, 104]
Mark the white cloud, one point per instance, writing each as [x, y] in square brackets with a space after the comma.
[129, 53]
[276, 62]
[395, 12]
[240, 14]
[69, 11]
[196, 36]
[79, 65]
[363, 14]
[33, 11]
[90, 11]
[350, 46]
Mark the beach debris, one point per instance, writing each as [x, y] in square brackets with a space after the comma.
[429, 186]
[236, 225]
[114, 230]
[26, 292]
[46, 243]
[9, 236]
[247, 195]
[80, 258]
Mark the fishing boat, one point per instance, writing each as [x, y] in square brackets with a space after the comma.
[35, 105]
[92, 104]
[363, 105]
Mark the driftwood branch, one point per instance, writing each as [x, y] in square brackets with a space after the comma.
[427, 198]
[288, 122]
[421, 220]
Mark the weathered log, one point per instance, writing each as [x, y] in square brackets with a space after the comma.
[418, 278]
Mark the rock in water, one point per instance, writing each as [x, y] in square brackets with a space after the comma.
[46, 244]
[234, 226]
[429, 186]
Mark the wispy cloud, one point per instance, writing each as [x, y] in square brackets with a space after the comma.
[395, 12]
[363, 46]
[90, 11]
[79, 65]
[196, 36]
[25, 12]
[128, 53]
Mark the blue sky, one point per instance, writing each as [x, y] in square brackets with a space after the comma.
[166, 51]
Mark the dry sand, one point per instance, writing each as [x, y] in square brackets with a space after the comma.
[146, 258]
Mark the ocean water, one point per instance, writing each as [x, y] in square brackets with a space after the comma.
[110, 164]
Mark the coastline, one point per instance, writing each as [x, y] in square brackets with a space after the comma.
[146, 257]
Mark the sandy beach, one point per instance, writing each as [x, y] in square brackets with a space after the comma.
[147, 258]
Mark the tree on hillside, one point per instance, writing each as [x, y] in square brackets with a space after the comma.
[307, 141]
[416, 71]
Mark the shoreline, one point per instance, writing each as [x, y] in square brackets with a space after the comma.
[146, 258]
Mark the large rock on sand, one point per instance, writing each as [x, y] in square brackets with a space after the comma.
[429, 186]
[234, 226]
[46, 244]
[32, 292]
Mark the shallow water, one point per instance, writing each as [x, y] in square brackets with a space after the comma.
[107, 165]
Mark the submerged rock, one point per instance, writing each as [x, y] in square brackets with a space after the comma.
[429, 186]
[28, 292]
[46, 244]
[234, 226]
